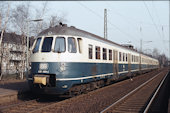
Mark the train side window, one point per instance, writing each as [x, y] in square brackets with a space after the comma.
[90, 51]
[123, 56]
[37, 45]
[132, 58]
[110, 54]
[46, 47]
[120, 56]
[97, 52]
[80, 44]
[126, 57]
[72, 45]
[59, 45]
[104, 54]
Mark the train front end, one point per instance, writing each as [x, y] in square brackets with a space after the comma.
[49, 65]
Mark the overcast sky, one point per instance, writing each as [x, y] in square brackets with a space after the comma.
[125, 18]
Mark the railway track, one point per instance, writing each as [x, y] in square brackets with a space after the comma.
[29, 105]
[95, 101]
[23, 107]
[136, 101]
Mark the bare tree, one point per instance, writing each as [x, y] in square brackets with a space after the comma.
[163, 60]
[20, 17]
[2, 13]
[155, 53]
[3, 27]
[55, 20]
[36, 27]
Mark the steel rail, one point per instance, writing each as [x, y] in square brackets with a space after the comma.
[130, 93]
[153, 97]
[21, 103]
[45, 107]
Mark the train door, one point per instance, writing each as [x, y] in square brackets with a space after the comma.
[129, 64]
[115, 64]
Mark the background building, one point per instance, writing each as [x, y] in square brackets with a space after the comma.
[13, 54]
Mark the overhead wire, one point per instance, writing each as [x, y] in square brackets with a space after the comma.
[154, 23]
[162, 27]
[127, 19]
[152, 18]
[108, 21]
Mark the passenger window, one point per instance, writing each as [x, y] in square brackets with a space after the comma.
[90, 51]
[72, 45]
[104, 54]
[59, 45]
[120, 56]
[80, 44]
[126, 57]
[123, 56]
[46, 47]
[132, 58]
[110, 54]
[97, 52]
[37, 45]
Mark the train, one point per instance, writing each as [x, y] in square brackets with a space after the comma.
[64, 56]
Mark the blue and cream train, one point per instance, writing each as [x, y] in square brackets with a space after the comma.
[63, 57]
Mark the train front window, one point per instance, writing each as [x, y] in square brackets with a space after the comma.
[46, 47]
[37, 45]
[60, 45]
[72, 45]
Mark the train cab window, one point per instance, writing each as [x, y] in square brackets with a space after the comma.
[90, 51]
[120, 56]
[104, 54]
[72, 45]
[110, 54]
[37, 45]
[80, 44]
[59, 45]
[97, 52]
[123, 56]
[46, 47]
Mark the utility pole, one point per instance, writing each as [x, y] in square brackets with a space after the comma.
[27, 45]
[140, 59]
[105, 23]
[169, 38]
[140, 45]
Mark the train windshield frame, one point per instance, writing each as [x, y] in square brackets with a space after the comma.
[47, 44]
[36, 47]
[60, 45]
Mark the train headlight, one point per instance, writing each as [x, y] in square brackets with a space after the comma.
[43, 66]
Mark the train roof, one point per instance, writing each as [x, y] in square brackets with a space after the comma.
[63, 29]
